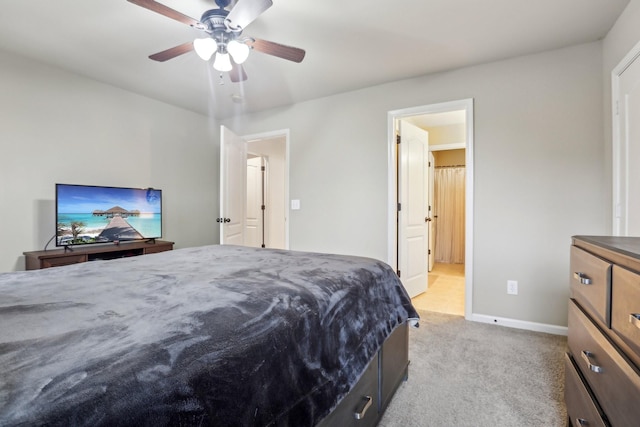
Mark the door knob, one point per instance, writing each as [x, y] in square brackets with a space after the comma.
[427, 219]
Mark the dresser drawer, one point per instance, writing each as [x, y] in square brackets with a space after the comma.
[591, 284]
[360, 407]
[581, 409]
[613, 380]
[63, 260]
[156, 249]
[625, 311]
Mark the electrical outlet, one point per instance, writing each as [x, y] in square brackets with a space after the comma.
[512, 287]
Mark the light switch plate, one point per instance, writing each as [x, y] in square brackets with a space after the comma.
[295, 204]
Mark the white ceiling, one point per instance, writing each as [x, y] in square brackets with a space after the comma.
[350, 44]
[426, 121]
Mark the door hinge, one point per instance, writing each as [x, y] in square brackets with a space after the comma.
[398, 272]
[429, 252]
[398, 139]
[263, 207]
[399, 207]
[263, 168]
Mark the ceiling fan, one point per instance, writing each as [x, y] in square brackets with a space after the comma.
[223, 35]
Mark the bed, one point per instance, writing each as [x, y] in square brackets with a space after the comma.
[213, 335]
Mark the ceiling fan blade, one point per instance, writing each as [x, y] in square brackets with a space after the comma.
[276, 49]
[237, 73]
[168, 12]
[245, 12]
[172, 52]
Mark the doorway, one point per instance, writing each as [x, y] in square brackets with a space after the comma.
[274, 191]
[256, 215]
[625, 82]
[254, 189]
[445, 121]
[445, 293]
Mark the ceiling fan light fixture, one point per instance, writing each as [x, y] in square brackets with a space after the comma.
[205, 47]
[223, 27]
[239, 51]
[222, 62]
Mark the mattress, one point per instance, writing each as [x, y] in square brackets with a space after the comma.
[213, 335]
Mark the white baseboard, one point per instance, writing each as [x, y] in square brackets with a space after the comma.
[519, 324]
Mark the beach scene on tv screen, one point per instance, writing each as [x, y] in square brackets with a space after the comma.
[106, 214]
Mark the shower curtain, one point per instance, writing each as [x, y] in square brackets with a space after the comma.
[449, 198]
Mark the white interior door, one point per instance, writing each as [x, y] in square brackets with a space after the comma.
[254, 232]
[233, 197]
[413, 232]
[627, 175]
[430, 224]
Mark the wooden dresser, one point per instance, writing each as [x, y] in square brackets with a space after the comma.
[58, 257]
[602, 367]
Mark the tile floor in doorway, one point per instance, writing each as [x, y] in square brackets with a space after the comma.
[445, 293]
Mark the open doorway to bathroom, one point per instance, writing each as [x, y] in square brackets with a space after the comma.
[445, 293]
[450, 140]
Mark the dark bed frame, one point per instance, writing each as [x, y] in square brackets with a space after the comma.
[366, 402]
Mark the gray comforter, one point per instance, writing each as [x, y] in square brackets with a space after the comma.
[216, 335]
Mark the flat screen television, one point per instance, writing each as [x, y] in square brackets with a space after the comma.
[88, 214]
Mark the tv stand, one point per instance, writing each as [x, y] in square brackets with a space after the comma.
[54, 258]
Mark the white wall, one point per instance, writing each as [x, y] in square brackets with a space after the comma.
[624, 35]
[59, 127]
[538, 170]
[448, 134]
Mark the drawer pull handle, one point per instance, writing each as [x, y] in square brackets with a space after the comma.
[582, 278]
[587, 355]
[634, 319]
[581, 422]
[367, 403]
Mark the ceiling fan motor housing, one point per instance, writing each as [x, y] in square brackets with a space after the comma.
[214, 19]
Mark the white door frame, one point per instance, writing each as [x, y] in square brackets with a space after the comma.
[619, 169]
[392, 116]
[432, 234]
[270, 135]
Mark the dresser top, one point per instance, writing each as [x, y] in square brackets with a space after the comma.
[629, 246]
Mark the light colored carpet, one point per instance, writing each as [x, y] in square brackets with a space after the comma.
[470, 374]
